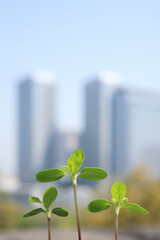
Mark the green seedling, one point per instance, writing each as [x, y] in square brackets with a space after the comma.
[118, 202]
[49, 197]
[74, 163]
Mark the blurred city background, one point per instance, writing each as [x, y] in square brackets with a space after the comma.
[80, 75]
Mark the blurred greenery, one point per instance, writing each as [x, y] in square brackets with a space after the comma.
[8, 214]
[11, 216]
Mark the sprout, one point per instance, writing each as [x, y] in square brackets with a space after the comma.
[49, 197]
[74, 163]
[118, 202]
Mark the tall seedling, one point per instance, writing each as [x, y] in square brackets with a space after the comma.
[118, 202]
[49, 197]
[74, 163]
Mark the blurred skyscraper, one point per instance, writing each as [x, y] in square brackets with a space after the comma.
[144, 129]
[97, 138]
[120, 133]
[36, 124]
[122, 127]
[136, 131]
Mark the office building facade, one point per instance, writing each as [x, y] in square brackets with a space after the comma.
[36, 124]
[97, 138]
[122, 129]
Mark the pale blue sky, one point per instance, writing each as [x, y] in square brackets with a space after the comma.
[75, 40]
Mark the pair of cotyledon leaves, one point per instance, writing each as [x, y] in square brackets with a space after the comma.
[74, 163]
[49, 197]
[119, 201]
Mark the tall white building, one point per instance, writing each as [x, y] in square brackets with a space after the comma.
[97, 139]
[136, 131]
[120, 133]
[36, 124]
[122, 127]
[144, 129]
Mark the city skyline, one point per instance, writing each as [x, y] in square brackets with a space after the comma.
[76, 40]
[117, 132]
[114, 82]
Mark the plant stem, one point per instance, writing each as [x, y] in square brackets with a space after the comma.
[116, 226]
[49, 228]
[76, 207]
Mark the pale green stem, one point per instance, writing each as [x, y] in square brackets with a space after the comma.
[116, 226]
[49, 223]
[76, 208]
[49, 228]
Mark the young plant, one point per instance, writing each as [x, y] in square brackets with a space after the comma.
[118, 202]
[49, 197]
[74, 163]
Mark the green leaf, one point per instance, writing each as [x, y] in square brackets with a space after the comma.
[34, 200]
[124, 201]
[60, 212]
[118, 191]
[65, 168]
[99, 205]
[49, 175]
[49, 196]
[136, 208]
[92, 173]
[34, 212]
[75, 161]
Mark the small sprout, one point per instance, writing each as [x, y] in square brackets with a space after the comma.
[49, 197]
[74, 164]
[71, 170]
[118, 202]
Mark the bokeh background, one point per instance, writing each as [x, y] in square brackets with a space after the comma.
[80, 74]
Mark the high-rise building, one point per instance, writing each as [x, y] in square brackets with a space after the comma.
[36, 124]
[144, 129]
[97, 138]
[122, 127]
[120, 133]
